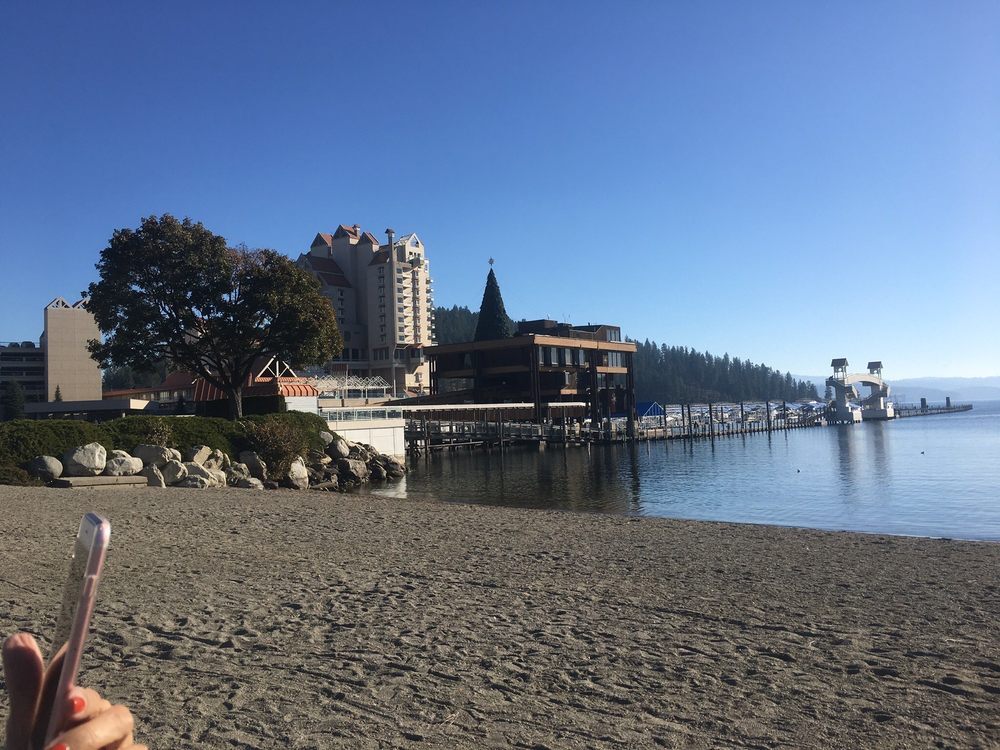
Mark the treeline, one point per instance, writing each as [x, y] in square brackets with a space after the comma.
[454, 324]
[677, 374]
[670, 374]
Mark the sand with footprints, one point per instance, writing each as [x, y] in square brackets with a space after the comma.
[313, 620]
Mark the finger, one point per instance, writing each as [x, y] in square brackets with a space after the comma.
[125, 743]
[23, 671]
[50, 685]
[83, 704]
[110, 728]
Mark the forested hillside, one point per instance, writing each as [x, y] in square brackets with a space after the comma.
[670, 374]
[676, 374]
[454, 324]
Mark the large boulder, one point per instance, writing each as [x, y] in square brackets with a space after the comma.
[154, 455]
[338, 449]
[298, 475]
[214, 460]
[154, 478]
[119, 454]
[197, 470]
[85, 461]
[219, 478]
[175, 455]
[197, 454]
[45, 468]
[235, 473]
[194, 482]
[256, 465]
[174, 472]
[393, 467]
[122, 467]
[377, 473]
[326, 437]
[250, 483]
[352, 470]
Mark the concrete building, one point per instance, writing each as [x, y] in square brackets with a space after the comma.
[383, 298]
[60, 360]
[68, 365]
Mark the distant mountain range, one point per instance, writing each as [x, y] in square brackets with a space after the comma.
[911, 390]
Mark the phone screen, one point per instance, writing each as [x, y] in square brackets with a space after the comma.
[71, 593]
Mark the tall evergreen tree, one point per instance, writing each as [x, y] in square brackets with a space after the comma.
[493, 322]
[11, 400]
[58, 395]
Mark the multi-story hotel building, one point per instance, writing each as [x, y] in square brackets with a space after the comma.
[382, 295]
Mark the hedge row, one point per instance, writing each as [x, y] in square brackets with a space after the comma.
[23, 439]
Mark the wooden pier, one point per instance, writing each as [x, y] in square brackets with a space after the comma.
[493, 429]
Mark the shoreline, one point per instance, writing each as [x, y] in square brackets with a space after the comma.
[424, 498]
[315, 620]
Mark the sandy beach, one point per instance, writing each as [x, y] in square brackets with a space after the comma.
[315, 620]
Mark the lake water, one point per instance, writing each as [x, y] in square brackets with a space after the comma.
[927, 476]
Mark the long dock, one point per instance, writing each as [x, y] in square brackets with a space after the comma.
[912, 410]
[491, 428]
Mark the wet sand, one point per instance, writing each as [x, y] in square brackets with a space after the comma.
[314, 620]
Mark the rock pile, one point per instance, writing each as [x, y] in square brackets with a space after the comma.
[340, 466]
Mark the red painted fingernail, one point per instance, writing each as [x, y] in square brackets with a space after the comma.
[60, 746]
[77, 704]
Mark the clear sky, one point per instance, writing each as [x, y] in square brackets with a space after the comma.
[788, 182]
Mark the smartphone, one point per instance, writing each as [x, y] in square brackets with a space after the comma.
[77, 605]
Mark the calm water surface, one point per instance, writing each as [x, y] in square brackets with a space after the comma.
[926, 476]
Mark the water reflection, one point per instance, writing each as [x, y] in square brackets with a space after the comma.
[845, 459]
[870, 477]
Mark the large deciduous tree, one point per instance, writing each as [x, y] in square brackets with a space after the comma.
[493, 322]
[173, 290]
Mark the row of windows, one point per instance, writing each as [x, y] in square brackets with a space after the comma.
[554, 356]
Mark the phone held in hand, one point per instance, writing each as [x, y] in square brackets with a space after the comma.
[77, 605]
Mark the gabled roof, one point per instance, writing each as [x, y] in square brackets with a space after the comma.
[370, 238]
[381, 256]
[326, 270]
[177, 380]
[346, 231]
[322, 239]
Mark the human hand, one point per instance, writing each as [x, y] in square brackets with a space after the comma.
[92, 724]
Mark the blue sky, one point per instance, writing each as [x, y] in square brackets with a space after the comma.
[787, 182]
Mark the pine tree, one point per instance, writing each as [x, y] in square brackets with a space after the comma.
[828, 393]
[493, 321]
[11, 400]
[58, 397]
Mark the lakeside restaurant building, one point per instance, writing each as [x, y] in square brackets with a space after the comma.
[544, 363]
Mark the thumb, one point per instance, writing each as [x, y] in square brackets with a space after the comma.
[23, 671]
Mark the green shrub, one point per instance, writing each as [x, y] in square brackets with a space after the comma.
[278, 438]
[211, 431]
[173, 432]
[277, 441]
[23, 439]
[18, 476]
[128, 432]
